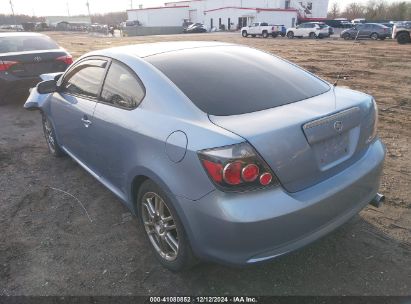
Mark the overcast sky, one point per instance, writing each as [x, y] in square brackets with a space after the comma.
[76, 7]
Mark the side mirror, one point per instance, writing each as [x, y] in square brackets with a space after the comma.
[46, 87]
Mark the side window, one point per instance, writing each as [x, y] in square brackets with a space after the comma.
[85, 79]
[122, 87]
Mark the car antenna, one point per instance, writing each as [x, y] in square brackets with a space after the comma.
[346, 59]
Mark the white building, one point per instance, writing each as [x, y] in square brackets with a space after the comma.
[232, 14]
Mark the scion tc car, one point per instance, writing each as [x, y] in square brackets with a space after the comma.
[24, 57]
[229, 169]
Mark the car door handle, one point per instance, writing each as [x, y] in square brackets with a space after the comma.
[86, 122]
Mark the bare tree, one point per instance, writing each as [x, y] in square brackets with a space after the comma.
[354, 10]
[334, 11]
[375, 10]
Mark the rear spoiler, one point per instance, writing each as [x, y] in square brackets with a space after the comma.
[51, 76]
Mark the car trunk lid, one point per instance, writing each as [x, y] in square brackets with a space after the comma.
[307, 141]
[29, 64]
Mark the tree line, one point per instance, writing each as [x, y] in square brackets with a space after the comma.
[372, 10]
[108, 18]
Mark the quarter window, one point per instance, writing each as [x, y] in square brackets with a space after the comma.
[85, 79]
[122, 88]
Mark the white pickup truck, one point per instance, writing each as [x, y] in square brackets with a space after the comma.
[261, 29]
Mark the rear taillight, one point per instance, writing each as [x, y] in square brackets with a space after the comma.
[67, 59]
[5, 65]
[237, 168]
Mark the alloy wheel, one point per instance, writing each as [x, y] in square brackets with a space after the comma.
[160, 226]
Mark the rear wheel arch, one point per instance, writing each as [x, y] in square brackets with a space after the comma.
[135, 187]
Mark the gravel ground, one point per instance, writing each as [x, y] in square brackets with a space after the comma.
[48, 245]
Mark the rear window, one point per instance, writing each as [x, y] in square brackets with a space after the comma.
[26, 43]
[231, 80]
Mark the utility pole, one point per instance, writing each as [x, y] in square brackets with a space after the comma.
[12, 11]
[68, 9]
[131, 4]
[88, 8]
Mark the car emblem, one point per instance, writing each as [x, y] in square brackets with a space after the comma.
[37, 59]
[338, 126]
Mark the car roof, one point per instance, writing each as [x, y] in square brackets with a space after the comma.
[150, 49]
[20, 34]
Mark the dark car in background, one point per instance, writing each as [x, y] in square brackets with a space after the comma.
[338, 23]
[24, 57]
[195, 28]
[367, 30]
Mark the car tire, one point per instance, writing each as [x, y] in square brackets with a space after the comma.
[403, 38]
[244, 34]
[51, 139]
[346, 36]
[374, 36]
[265, 34]
[171, 247]
[290, 35]
[312, 35]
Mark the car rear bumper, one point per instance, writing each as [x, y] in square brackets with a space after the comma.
[244, 228]
[11, 85]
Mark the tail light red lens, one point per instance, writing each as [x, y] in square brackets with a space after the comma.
[5, 65]
[215, 170]
[265, 179]
[232, 173]
[237, 168]
[250, 173]
[67, 59]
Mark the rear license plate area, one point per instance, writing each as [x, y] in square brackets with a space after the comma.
[331, 150]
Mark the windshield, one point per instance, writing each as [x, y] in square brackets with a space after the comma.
[26, 43]
[230, 80]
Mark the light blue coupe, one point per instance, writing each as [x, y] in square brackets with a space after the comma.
[225, 153]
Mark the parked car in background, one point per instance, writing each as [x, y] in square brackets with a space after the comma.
[12, 27]
[330, 29]
[259, 29]
[402, 32]
[390, 26]
[228, 169]
[278, 30]
[24, 57]
[195, 28]
[338, 23]
[358, 21]
[309, 29]
[367, 30]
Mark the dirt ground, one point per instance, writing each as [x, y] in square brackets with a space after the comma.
[48, 246]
